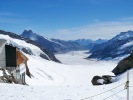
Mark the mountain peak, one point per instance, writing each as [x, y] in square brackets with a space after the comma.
[29, 34]
[100, 41]
[124, 35]
[128, 32]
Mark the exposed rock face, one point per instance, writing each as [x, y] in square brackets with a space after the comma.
[98, 80]
[44, 56]
[124, 65]
[6, 78]
[94, 80]
[27, 70]
[26, 51]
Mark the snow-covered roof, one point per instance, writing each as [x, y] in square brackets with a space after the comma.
[2, 43]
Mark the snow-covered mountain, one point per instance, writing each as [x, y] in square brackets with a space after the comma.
[83, 41]
[123, 35]
[28, 46]
[55, 45]
[100, 41]
[29, 34]
[61, 46]
[89, 41]
[118, 46]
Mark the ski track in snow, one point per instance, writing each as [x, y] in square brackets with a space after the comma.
[65, 79]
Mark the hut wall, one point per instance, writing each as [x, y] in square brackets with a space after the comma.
[3, 58]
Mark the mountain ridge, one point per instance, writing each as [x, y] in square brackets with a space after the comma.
[61, 46]
[113, 47]
[55, 45]
[48, 52]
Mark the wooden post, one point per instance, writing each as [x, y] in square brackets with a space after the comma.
[127, 84]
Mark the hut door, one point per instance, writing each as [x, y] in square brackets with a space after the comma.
[10, 56]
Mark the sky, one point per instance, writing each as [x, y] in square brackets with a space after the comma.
[67, 19]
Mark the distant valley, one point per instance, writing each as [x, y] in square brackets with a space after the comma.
[101, 49]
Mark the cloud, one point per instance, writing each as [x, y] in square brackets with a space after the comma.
[12, 20]
[7, 14]
[97, 30]
[127, 19]
[8, 17]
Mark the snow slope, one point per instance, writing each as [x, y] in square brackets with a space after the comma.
[68, 81]
[53, 81]
[129, 44]
[53, 74]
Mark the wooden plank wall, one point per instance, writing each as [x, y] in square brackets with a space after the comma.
[20, 59]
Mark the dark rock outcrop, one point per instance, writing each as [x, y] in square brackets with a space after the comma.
[44, 56]
[124, 65]
[100, 80]
[27, 70]
[6, 78]
[95, 80]
[26, 51]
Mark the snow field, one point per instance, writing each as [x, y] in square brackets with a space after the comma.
[68, 81]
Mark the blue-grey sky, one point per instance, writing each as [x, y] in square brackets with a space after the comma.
[67, 19]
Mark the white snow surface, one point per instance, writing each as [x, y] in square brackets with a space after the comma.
[127, 45]
[54, 74]
[78, 58]
[70, 80]
[1, 73]
[100, 81]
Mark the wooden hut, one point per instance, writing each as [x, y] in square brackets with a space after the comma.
[12, 59]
